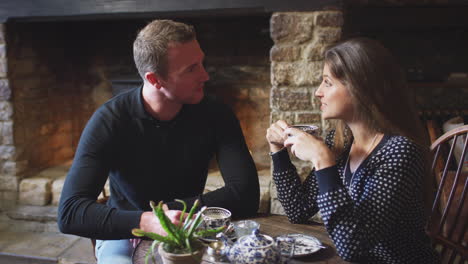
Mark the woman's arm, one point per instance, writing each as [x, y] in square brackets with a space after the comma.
[297, 199]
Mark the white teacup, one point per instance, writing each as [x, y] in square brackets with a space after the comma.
[215, 217]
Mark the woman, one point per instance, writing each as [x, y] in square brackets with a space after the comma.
[369, 172]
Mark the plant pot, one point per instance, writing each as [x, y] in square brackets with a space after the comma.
[171, 258]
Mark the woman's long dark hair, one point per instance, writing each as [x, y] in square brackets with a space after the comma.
[379, 93]
[378, 88]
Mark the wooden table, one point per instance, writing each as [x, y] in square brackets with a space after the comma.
[273, 225]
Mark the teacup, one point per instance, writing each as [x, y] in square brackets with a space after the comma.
[310, 129]
[214, 217]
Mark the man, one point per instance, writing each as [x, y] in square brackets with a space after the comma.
[155, 143]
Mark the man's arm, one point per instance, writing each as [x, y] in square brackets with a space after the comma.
[241, 193]
[78, 212]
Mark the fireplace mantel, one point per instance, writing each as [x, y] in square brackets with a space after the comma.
[92, 9]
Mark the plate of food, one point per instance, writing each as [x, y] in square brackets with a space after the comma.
[296, 245]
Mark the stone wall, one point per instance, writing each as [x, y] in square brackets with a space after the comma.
[296, 69]
[9, 165]
[54, 86]
[237, 60]
[50, 93]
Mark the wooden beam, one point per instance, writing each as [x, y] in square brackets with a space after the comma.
[78, 9]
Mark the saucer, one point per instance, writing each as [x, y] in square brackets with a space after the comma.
[303, 245]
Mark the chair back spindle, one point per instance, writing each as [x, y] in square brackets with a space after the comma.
[449, 217]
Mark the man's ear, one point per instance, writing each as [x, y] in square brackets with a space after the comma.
[152, 78]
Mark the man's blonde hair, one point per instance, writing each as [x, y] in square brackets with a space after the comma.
[151, 43]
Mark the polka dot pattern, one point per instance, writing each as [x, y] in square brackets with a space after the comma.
[380, 217]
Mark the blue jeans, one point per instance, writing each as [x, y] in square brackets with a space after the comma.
[114, 251]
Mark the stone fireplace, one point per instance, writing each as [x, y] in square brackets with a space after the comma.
[56, 73]
[266, 65]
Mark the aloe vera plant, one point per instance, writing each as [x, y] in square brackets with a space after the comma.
[181, 238]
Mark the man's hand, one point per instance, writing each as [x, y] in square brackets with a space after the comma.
[150, 223]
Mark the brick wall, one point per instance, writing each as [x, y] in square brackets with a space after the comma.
[9, 165]
[296, 69]
[53, 92]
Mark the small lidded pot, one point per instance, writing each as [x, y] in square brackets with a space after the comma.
[254, 248]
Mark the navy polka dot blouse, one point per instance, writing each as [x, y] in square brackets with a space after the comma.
[378, 217]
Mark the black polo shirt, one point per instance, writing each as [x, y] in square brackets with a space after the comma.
[147, 159]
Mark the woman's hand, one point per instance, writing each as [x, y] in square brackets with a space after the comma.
[309, 148]
[275, 135]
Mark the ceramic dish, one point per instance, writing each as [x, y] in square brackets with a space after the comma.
[303, 245]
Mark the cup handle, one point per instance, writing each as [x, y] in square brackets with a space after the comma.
[289, 241]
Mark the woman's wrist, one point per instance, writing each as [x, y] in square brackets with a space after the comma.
[323, 163]
[321, 166]
[275, 147]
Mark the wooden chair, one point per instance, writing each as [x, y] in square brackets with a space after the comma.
[102, 200]
[449, 217]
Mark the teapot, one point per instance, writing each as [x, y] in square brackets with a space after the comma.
[251, 249]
